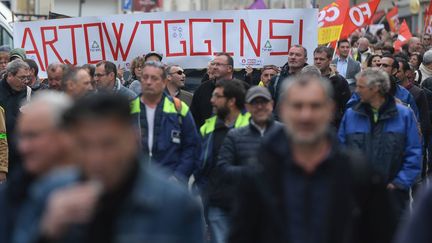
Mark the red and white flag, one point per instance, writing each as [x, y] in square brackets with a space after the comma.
[330, 21]
[403, 37]
[359, 16]
[428, 19]
[393, 19]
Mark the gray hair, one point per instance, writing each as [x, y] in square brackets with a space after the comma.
[169, 67]
[376, 77]
[427, 58]
[159, 65]
[14, 66]
[311, 70]
[58, 103]
[305, 79]
[54, 66]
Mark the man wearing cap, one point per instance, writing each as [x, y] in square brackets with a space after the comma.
[17, 53]
[239, 149]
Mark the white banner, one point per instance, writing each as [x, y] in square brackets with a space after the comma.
[190, 39]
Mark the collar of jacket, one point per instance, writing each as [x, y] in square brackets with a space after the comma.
[5, 84]
[210, 124]
[167, 105]
[279, 142]
[253, 127]
[386, 111]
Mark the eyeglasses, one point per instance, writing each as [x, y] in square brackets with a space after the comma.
[98, 75]
[179, 72]
[217, 96]
[23, 78]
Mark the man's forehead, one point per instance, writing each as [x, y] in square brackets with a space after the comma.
[386, 60]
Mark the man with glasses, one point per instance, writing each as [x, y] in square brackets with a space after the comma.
[176, 81]
[228, 105]
[107, 81]
[13, 92]
[201, 107]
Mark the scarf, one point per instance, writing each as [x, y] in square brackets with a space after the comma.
[426, 73]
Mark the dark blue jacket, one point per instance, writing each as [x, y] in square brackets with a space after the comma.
[237, 153]
[392, 145]
[418, 228]
[176, 143]
[401, 93]
[209, 152]
[153, 210]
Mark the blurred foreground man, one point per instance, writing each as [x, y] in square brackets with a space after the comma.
[387, 133]
[46, 150]
[118, 198]
[307, 188]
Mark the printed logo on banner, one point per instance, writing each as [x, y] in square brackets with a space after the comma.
[253, 62]
[95, 47]
[267, 46]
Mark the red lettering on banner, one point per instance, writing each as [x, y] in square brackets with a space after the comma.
[27, 31]
[208, 42]
[224, 22]
[49, 43]
[280, 37]
[182, 42]
[102, 46]
[244, 29]
[74, 51]
[118, 35]
[151, 23]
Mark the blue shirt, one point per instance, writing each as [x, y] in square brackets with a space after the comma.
[342, 65]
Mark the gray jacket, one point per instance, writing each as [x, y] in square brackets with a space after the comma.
[352, 69]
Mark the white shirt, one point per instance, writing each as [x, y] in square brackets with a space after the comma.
[150, 113]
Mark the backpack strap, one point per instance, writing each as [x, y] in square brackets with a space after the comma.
[178, 107]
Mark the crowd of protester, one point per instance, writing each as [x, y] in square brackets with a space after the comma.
[332, 149]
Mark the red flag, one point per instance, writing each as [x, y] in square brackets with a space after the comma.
[393, 19]
[428, 19]
[359, 16]
[403, 37]
[330, 21]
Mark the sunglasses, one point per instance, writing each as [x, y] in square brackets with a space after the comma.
[179, 72]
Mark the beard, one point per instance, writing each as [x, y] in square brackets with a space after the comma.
[222, 112]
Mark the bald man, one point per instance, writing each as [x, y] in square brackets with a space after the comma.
[363, 51]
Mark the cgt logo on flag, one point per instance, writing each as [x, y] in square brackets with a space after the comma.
[330, 21]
